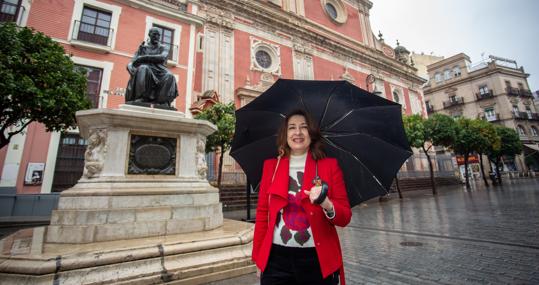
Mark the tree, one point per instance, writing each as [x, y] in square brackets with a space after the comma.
[437, 130]
[467, 140]
[414, 126]
[510, 146]
[222, 115]
[488, 140]
[39, 83]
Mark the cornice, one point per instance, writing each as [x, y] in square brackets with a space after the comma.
[165, 10]
[273, 19]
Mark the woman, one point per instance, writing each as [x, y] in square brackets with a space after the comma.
[295, 240]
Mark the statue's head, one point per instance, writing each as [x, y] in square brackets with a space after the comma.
[154, 35]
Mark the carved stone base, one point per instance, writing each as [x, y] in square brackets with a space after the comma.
[153, 187]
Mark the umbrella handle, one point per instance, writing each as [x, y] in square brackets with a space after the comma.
[323, 193]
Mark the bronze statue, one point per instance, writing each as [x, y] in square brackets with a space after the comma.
[151, 84]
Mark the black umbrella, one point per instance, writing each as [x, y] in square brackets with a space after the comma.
[362, 130]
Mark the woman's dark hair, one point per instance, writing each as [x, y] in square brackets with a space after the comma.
[316, 146]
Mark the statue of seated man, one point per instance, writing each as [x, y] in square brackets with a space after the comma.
[151, 83]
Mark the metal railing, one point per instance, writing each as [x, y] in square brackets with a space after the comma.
[526, 93]
[11, 12]
[489, 94]
[453, 102]
[512, 91]
[92, 33]
[490, 118]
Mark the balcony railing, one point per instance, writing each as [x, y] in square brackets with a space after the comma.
[490, 117]
[534, 116]
[454, 102]
[10, 12]
[92, 33]
[519, 115]
[526, 93]
[489, 94]
[512, 91]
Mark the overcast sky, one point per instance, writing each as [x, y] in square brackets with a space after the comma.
[504, 28]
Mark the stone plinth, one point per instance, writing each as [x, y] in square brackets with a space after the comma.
[192, 258]
[144, 176]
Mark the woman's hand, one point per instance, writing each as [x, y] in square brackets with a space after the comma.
[258, 272]
[313, 195]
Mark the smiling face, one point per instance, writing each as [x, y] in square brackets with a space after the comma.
[297, 135]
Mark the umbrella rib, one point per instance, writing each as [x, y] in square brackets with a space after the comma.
[353, 110]
[337, 135]
[358, 160]
[327, 105]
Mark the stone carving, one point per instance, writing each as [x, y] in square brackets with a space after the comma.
[202, 167]
[151, 83]
[94, 157]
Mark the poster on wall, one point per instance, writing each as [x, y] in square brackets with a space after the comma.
[34, 173]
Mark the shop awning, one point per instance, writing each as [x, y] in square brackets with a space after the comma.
[532, 146]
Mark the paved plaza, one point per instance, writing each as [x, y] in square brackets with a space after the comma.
[477, 236]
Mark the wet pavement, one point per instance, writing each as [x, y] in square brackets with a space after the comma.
[477, 236]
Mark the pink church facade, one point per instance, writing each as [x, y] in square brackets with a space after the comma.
[236, 48]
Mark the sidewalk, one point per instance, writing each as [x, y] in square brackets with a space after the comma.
[477, 236]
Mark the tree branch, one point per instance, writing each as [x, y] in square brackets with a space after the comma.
[11, 134]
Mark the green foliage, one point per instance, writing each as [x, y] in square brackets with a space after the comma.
[510, 144]
[440, 129]
[488, 138]
[415, 130]
[38, 83]
[467, 138]
[221, 115]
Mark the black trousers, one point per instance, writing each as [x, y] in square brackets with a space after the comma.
[290, 265]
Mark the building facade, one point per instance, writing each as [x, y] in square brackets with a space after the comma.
[233, 49]
[495, 90]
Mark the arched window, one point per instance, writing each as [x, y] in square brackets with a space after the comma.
[521, 130]
[535, 133]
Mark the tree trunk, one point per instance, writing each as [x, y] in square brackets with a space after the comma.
[498, 172]
[220, 172]
[433, 185]
[482, 169]
[466, 170]
[492, 177]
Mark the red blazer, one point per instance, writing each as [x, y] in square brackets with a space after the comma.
[324, 233]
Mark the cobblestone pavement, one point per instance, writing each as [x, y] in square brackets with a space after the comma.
[477, 236]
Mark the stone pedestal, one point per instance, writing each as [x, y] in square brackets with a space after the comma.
[144, 176]
[143, 211]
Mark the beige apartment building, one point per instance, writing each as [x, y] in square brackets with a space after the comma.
[495, 90]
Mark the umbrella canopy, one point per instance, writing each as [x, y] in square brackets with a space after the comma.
[364, 132]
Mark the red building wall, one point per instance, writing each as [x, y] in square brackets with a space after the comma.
[351, 28]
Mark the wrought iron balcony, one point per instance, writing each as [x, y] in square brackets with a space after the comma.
[92, 33]
[489, 94]
[10, 12]
[520, 115]
[526, 93]
[490, 117]
[453, 102]
[534, 116]
[512, 91]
